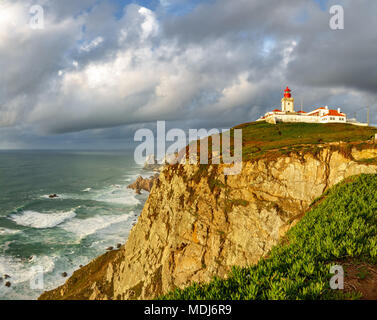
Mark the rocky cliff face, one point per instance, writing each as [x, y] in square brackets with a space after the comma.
[197, 223]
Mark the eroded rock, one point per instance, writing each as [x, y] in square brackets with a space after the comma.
[143, 184]
[198, 223]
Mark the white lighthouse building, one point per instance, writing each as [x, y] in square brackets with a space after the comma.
[287, 103]
[287, 113]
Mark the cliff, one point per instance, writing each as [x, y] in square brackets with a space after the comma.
[338, 232]
[198, 223]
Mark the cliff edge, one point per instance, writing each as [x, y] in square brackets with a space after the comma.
[198, 223]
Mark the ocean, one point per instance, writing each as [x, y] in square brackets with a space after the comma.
[94, 210]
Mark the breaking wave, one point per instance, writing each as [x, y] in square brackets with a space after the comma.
[40, 220]
[85, 227]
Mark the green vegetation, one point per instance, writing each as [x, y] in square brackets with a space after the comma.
[214, 183]
[237, 202]
[264, 140]
[341, 226]
[363, 273]
[260, 137]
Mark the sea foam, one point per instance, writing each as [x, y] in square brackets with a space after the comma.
[85, 227]
[117, 194]
[21, 271]
[40, 220]
[5, 232]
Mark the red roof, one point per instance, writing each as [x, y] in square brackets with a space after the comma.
[334, 113]
[320, 108]
[301, 111]
[276, 110]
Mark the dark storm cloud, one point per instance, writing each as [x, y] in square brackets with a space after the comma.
[344, 58]
[323, 57]
[221, 18]
[97, 73]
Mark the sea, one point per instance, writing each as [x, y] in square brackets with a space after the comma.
[42, 236]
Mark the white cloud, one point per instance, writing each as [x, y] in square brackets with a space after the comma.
[140, 68]
[92, 45]
[150, 26]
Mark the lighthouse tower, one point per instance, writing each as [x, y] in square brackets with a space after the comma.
[287, 103]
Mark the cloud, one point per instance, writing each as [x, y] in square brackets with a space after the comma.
[92, 44]
[218, 63]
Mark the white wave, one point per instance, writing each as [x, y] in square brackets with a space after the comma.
[85, 227]
[130, 201]
[40, 220]
[117, 194]
[20, 271]
[5, 232]
[24, 272]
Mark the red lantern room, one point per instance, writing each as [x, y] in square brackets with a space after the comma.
[287, 93]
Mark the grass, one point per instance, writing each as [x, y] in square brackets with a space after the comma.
[342, 226]
[363, 273]
[260, 137]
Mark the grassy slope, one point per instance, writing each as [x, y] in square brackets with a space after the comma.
[260, 137]
[341, 226]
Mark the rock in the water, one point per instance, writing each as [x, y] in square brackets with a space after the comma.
[64, 274]
[119, 245]
[6, 276]
[143, 184]
[110, 248]
[81, 266]
[8, 284]
[53, 196]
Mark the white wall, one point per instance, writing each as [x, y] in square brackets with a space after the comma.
[306, 119]
[333, 119]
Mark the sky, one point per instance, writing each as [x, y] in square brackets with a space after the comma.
[101, 69]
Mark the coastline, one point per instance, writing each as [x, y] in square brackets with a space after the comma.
[93, 210]
[147, 176]
[171, 246]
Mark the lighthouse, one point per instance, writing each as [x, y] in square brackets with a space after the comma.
[287, 103]
[318, 115]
